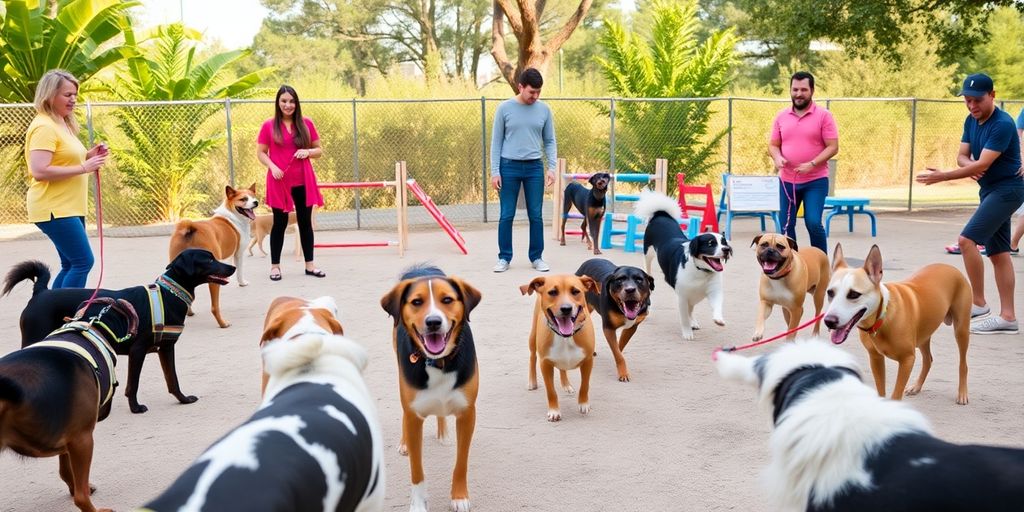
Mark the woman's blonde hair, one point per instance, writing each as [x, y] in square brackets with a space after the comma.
[47, 89]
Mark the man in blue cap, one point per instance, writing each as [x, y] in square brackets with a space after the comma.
[990, 154]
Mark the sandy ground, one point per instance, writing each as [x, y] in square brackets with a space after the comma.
[675, 438]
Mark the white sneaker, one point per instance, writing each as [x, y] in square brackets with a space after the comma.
[994, 325]
[500, 266]
[540, 266]
[979, 311]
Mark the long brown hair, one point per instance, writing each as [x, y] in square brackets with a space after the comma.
[299, 130]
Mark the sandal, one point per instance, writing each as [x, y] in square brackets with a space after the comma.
[275, 276]
[316, 273]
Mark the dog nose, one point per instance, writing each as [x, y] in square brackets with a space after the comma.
[831, 321]
[433, 322]
[566, 309]
[630, 289]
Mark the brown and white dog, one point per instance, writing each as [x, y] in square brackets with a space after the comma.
[437, 369]
[226, 234]
[260, 228]
[895, 318]
[789, 274]
[563, 335]
[290, 317]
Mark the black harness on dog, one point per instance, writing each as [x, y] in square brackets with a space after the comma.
[801, 381]
[162, 332]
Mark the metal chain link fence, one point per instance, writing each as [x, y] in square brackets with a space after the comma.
[172, 160]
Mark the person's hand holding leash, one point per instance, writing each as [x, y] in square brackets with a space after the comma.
[780, 162]
[549, 178]
[804, 168]
[496, 182]
[931, 177]
[93, 164]
[97, 150]
[302, 154]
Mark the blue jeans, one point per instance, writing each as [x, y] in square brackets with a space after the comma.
[69, 237]
[812, 195]
[528, 174]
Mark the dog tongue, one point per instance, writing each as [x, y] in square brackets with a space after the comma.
[248, 213]
[769, 266]
[434, 342]
[631, 309]
[715, 263]
[564, 324]
[839, 334]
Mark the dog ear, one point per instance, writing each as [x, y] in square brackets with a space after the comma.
[228, 190]
[838, 261]
[873, 264]
[529, 288]
[253, 188]
[756, 240]
[590, 284]
[736, 367]
[593, 179]
[650, 280]
[470, 296]
[271, 332]
[792, 244]
[391, 302]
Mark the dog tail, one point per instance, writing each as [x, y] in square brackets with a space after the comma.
[185, 229]
[10, 391]
[650, 203]
[31, 269]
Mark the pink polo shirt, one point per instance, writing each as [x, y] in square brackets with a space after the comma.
[803, 138]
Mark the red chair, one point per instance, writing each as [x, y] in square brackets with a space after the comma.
[709, 219]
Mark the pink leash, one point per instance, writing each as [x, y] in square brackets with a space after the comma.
[99, 232]
[714, 355]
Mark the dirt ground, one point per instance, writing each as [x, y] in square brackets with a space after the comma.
[675, 438]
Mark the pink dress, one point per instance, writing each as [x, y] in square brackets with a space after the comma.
[297, 172]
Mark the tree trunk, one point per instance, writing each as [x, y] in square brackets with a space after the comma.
[524, 19]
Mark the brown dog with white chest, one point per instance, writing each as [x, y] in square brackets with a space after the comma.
[226, 235]
[290, 317]
[437, 369]
[896, 318]
[789, 274]
[563, 335]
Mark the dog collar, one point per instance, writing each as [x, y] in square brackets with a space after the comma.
[176, 289]
[879, 316]
[431, 362]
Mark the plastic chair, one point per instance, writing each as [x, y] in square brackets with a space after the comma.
[849, 206]
[707, 210]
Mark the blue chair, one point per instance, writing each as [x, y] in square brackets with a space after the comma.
[849, 206]
[729, 214]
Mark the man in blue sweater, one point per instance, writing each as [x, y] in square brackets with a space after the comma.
[989, 153]
[522, 125]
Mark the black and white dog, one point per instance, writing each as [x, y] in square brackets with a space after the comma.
[314, 444]
[838, 446]
[693, 268]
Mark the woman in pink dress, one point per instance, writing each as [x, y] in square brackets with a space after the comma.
[286, 144]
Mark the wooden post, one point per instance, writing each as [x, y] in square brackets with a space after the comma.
[556, 199]
[661, 175]
[401, 206]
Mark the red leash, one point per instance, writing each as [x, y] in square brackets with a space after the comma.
[99, 231]
[714, 355]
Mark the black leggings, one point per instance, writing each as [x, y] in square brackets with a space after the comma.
[303, 218]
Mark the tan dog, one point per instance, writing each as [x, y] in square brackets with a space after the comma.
[563, 335]
[789, 274]
[260, 228]
[225, 235]
[895, 318]
[438, 373]
[289, 317]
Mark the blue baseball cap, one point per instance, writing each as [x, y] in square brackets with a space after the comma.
[978, 84]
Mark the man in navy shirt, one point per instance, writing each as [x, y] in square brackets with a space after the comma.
[990, 154]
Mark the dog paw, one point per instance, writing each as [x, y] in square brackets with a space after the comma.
[584, 408]
[720, 321]
[532, 385]
[569, 390]
[961, 399]
[912, 390]
[138, 409]
[687, 335]
[190, 399]
[224, 324]
[403, 450]
[554, 415]
[694, 325]
[757, 336]
[624, 377]
[460, 505]
[418, 507]
[243, 283]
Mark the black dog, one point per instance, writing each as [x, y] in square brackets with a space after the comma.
[589, 202]
[172, 293]
[53, 392]
[622, 302]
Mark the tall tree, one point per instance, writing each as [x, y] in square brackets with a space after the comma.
[1001, 55]
[80, 36]
[524, 18]
[669, 63]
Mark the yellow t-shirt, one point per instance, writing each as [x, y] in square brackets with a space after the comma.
[68, 197]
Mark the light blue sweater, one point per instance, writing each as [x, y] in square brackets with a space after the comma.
[520, 130]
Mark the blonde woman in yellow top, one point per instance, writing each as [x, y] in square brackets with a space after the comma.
[60, 165]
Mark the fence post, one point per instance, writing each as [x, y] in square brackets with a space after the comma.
[728, 155]
[913, 141]
[611, 152]
[483, 150]
[231, 148]
[355, 161]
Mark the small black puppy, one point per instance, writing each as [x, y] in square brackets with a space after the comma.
[589, 202]
[622, 302]
[159, 328]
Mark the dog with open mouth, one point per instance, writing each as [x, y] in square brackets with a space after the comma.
[837, 446]
[896, 318]
[437, 369]
[693, 268]
[591, 204]
[789, 274]
[562, 335]
[226, 235]
[622, 300]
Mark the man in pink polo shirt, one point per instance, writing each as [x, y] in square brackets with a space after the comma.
[803, 138]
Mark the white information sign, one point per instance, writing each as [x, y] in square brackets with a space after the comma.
[753, 193]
